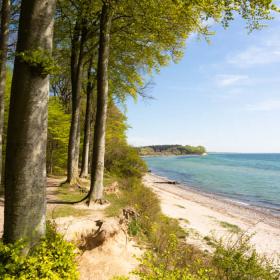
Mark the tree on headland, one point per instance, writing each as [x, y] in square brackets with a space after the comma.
[25, 167]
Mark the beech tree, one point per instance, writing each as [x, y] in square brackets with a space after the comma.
[97, 164]
[76, 25]
[88, 118]
[146, 35]
[4, 37]
[25, 167]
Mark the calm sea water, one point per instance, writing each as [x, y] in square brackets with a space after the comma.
[250, 178]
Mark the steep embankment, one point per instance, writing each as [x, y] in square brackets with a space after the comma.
[101, 240]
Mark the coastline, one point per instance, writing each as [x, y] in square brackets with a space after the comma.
[208, 214]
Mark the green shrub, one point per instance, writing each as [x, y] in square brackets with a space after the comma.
[52, 259]
[151, 223]
[134, 227]
[167, 265]
[237, 259]
[124, 161]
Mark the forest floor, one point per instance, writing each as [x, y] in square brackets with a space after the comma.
[105, 248]
[205, 216]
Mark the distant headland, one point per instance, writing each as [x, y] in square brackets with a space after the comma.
[171, 150]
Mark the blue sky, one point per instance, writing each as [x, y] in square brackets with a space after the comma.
[224, 95]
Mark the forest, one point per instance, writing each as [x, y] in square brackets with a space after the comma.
[67, 68]
[171, 150]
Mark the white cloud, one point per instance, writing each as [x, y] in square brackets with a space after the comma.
[230, 80]
[266, 105]
[265, 52]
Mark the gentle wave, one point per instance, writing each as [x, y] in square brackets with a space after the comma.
[252, 179]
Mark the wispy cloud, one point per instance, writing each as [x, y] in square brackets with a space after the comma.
[230, 80]
[266, 105]
[266, 52]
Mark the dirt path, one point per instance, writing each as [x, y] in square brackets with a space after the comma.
[116, 256]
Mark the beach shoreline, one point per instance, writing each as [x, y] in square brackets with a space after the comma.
[210, 214]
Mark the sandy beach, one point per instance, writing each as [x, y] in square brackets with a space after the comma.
[210, 215]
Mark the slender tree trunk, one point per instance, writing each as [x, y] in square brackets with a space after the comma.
[25, 172]
[87, 126]
[77, 61]
[97, 166]
[4, 33]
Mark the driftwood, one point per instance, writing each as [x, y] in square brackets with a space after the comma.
[167, 182]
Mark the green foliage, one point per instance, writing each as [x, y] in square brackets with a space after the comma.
[151, 224]
[124, 161]
[41, 60]
[167, 264]
[231, 260]
[171, 257]
[171, 150]
[52, 259]
[134, 227]
[237, 259]
[120, 159]
[58, 133]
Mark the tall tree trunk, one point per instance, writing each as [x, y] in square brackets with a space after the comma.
[98, 154]
[4, 33]
[25, 172]
[77, 61]
[87, 126]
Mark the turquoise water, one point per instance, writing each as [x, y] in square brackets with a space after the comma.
[250, 178]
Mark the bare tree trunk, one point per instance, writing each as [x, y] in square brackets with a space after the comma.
[77, 61]
[87, 127]
[97, 168]
[5, 19]
[25, 172]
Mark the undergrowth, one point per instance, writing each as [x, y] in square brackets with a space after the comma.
[52, 259]
[170, 257]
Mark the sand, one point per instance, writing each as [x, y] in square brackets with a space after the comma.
[208, 215]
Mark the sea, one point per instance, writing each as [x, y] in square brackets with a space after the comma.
[252, 179]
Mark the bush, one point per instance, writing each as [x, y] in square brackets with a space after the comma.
[167, 265]
[237, 259]
[52, 259]
[123, 160]
[151, 223]
[171, 258]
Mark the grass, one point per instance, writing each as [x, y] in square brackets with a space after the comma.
[230, 227]
[67, 193]
[67, 210]
[117, 203]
